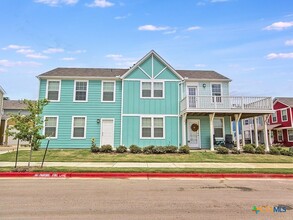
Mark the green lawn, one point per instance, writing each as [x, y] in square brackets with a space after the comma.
[78, 155]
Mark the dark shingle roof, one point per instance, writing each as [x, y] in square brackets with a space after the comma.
[14, 105]
[286, 100]
[104, 72]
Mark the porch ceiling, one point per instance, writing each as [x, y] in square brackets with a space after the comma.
[222, 114]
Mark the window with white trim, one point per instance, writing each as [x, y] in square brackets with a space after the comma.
[246, 121]
[80, 91]
[78, 126]
[216, 92]
[53, 90]
[290, 135]
[280, 135]
[50, 128]
[152, 127]
[274, 117]
[219, 128]
[284, 115]
[108, 93]
[152, 90]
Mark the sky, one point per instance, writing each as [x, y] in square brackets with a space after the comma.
[249, 41]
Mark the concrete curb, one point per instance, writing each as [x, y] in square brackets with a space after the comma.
[143, 175]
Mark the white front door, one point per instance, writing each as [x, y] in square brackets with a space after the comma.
[107, 132]
[192, 93]
[193, 133]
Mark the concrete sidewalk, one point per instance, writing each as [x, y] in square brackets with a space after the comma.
[152, 165]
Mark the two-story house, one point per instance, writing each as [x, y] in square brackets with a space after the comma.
[283, 121]
[149, 104]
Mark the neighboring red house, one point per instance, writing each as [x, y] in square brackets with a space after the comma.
[283, 120]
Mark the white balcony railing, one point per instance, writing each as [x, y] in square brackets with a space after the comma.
[193, 102]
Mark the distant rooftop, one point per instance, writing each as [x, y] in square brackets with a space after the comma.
[14, 105]
[286, 100]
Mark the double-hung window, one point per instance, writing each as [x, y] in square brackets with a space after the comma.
[219, 128]
[108, 91]
[152, 89]
[53, 90]
[81, 90]
[280, 135]
[274, 117]
[284, 115]
[78, 127]
[51, 125]
[290, 135]
[152, 127]
[216, 92]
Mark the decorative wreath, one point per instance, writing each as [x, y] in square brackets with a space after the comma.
[194, 127]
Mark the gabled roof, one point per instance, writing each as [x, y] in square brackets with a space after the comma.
[14, 105]
[285, 100]
[202, 74]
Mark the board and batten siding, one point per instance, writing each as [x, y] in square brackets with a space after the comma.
[93, 109]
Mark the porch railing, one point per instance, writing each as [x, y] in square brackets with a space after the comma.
[193, 102]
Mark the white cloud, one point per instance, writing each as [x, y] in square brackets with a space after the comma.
[121, 60]
[122, 17]
[68, 58]
[8, 63]
[101, 4]
[278, 26]
[289, 43]
[14, 47]
[171, 31]
[25, 51]
[57, 2]
[280, 56]
[193, 28]
[2, 70]
[54, 50]
[37, 56]
[150, 27]
[218, 1]
[200, 65]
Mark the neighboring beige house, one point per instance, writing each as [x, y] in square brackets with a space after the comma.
[2, 92]
[10, 107]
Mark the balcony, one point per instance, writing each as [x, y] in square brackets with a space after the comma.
[237, 104]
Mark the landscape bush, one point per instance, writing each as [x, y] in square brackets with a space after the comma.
[148, 149]
[121, 149]
[171, 149]
[248, 149]
[159, 150]
[260, 150]
[95, 149]
[134, 149]
[234, 150]
[106, 149]
[274, 151]
[184, 149]
[222, 150]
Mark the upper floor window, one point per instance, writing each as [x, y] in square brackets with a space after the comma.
[152, 90]
[81, 90]
[284, 115]
[152, 127]
[50, 128]
[108, 91]
[78, 127]
[274, 117]
[53, 90]
[219, 127]
[216, 91]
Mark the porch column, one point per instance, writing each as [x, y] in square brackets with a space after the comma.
[270, 138]
[243, 133]
[183, 129]
[265, 131]
[250, 134]
[237, 117]
[255, 131]
[212, 116]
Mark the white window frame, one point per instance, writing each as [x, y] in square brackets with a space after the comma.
[289, 140]
[152, 127]
[284, 115]
[221, 99]
[102, 90]
[152, 89]
[72, 126]
[223, 119]
[57, 125]
[87, 89]
[276, 116]
[47, 89]
[280, 140]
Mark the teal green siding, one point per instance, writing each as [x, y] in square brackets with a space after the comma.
[131, 132]
[137, 74]
[93, 109]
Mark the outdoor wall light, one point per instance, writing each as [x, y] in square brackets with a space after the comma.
[98, 120]
[204, 85]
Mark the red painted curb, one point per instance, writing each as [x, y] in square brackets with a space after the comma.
[143, 175]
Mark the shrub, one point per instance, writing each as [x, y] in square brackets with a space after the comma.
[184, 149]
[148, 149]
[171, 149]
[234, 150]
[121, 149]
[95, 149]
[134, 149]
[260, 150]
[106, 149]
[222, 150]
[286, 152]
[291, 149]
[274, 151]
[159, 150]
[248, 149]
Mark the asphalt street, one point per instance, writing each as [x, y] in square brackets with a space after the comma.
[144, 199]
